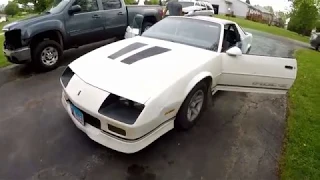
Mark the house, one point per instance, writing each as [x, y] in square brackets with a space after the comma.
[266, 15]
[286, 23]
[3, 18]
[238, 8]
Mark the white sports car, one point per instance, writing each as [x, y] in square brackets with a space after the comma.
[127, 94]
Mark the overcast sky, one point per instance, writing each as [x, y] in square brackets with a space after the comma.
[276, 4]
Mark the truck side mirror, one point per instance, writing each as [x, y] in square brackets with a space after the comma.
[74, 9]
[136, 28]
[137, 22]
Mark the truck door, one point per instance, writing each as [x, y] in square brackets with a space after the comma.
[115, 18]
[85, 26]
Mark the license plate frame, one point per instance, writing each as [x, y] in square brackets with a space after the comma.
[77, 114]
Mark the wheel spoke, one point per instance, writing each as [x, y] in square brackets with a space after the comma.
[195, 105]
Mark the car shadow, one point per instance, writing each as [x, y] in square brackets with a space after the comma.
[26, 71]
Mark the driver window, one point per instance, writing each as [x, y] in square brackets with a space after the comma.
[87, 5]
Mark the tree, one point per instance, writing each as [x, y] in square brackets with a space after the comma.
[39, 5]
[11, 9]
[303, 18]
[248, 1]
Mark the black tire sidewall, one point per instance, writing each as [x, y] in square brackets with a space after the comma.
[146, 24]
[181, 121]
[36, 55]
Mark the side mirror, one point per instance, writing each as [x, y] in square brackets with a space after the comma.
[234, 51]
[74, 9]
[136, 28]
[137, 23]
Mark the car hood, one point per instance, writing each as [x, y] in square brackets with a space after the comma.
[24, 23]
[162, 64]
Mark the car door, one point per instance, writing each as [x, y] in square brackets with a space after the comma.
[251, 73]
[246, 40]
[85, 26]
[115, 18]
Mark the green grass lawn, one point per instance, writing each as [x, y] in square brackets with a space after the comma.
[301, 156]
[3, 60]
[265, 28]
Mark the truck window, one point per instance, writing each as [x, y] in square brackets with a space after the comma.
[111, 4]
[87, 5]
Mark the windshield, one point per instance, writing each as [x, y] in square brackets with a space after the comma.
[186, 4]
[57, 6]
[193, 32]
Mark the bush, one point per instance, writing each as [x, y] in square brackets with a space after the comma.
[318, 26]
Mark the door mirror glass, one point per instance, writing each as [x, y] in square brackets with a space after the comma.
[234, 51]
[74, 9]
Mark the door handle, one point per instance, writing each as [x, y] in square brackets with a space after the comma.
[288, 67]
[96, 16]
[120, 13]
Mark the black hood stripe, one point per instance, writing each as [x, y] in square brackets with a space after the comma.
[126, 50]
[145, 54]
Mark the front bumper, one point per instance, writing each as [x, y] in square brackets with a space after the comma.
[18, 56]
[117, 143]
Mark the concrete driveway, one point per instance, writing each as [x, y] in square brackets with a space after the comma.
[239, 137]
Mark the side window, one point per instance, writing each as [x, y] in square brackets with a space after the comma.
[111, 4]
[202, 4]
[209, 8]
[87, 5]
[197, 4]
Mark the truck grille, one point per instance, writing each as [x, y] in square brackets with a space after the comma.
[12, 39]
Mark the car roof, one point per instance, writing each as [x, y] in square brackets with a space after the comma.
[207, 18]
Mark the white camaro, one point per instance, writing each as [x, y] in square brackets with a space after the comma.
[127, 94]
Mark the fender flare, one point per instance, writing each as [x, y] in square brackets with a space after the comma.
[195, 81]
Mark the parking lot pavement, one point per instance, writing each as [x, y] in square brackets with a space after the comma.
[239, 137]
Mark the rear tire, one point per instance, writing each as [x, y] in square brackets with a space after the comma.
[46, 55]
[193, 106]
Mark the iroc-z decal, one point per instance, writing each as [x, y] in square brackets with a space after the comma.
[152, 51]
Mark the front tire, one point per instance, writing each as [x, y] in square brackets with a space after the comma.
[193, 106]
[46, 55]
[146, 26]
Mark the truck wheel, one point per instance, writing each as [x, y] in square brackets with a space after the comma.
[318, 48]
[146, 25]
[192, 107]
[46, 55]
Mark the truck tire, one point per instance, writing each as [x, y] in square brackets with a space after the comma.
[192, 107]
[46, 55]
[146, 25]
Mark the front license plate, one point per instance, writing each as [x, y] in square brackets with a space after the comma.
[77, 114]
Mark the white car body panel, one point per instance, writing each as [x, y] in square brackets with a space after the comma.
[162, 82]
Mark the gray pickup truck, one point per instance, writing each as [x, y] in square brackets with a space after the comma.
[41, 40]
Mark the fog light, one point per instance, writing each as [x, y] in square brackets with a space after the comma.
[117, 130]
